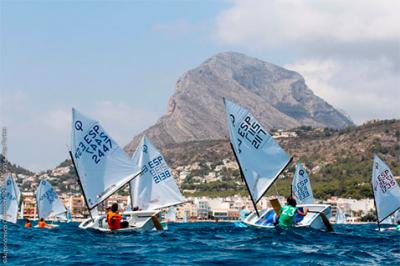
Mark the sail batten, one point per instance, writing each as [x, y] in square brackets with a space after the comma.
[156, 187]
[259, 156]
[102, 166]
[386, 190]
[10, 195]
[48, 202]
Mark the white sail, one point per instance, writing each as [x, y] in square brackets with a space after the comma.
[388, 220]
[48, 202]
[340, 216]
[170, 216]
[301, 186]
[94, 212]
[128, 205]
[155, 188]
[385, 188]
[9, 200]
[103, 167]
[261, 159]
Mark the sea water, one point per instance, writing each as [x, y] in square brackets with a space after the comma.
[203, 243]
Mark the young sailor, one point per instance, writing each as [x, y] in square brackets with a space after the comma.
[287, 214]
[42, 224]
[114, 219]
[27, 223]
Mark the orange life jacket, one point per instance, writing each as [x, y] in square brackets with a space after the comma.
[28, 225]
[42, 224]
[114, 220]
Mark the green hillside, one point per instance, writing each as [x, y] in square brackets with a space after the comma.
[340, 160]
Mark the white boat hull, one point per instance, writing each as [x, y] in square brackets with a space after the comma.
[139, 221]
[311, 220]
[51, 226]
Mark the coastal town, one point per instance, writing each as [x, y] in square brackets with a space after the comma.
[190, 178]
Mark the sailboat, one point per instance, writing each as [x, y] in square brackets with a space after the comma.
[9, 200]
[102, 168]
[156, 187]
[49, 205]
[386, 191]
[340, 216]
[261, 160]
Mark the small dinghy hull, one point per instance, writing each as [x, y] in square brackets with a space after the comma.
[240, 224]
[311, 220]
[52, 226]
[139, 221]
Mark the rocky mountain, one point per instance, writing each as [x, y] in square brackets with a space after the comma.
[278, 97]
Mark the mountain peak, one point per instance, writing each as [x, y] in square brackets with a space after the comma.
[278, 97]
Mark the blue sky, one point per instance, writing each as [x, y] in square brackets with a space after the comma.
[118, 61]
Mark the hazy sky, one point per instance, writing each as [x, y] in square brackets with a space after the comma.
[118, 61]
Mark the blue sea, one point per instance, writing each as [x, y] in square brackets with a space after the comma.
[204, 244]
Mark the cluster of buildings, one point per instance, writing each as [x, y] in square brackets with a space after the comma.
[214, 173]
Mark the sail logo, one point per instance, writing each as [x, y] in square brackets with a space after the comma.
[252, 132]
[78, 125]
[232, 119]
[386, 181]
[50, 195]
[96, 144]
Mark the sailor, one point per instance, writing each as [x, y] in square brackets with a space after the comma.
[114, 219]
[398, 225]
[287, 214]
[43, 224]
[243, 213]
[27, 223]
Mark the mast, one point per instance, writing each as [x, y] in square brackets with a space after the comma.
[80, 184]
[291, 190]
[376, 208]
[244, 179]
[130, 195]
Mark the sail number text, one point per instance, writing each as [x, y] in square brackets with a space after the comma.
[386, 181]
[158, 169]
[96, 143]
[50, 195]
[301, 190]
[252, 131]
